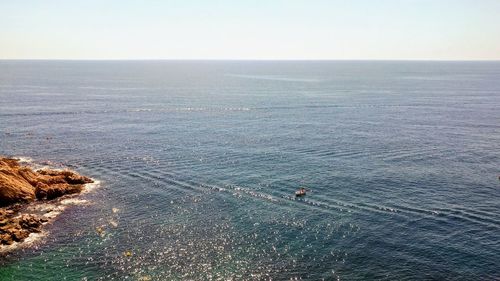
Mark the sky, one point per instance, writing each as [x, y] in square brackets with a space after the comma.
[244, 29]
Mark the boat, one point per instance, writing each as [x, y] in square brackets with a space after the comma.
[300, 192]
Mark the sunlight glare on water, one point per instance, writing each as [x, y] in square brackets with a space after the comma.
[198, 163]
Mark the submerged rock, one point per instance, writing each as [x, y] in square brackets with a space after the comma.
[20, 185]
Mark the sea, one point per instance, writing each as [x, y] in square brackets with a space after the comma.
[198, 163]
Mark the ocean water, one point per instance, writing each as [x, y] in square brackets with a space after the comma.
[199, 161]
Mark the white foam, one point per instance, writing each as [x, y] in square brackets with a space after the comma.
[74, 201]
[25, 160]
[91, 186]
[34, 237]
[56, 211]
[47, 167]
[42, 207]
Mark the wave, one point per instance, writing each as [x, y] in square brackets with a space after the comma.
[275, 78]
[24, 86]
[74, 201]
[24, 160]
[113, 88]
[131, 110]
[91, 186]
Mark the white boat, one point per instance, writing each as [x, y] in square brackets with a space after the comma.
[300, 192]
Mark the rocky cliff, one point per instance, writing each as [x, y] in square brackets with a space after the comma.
[20, 185]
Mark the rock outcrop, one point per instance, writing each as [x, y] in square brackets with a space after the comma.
[14, 188]
[20, 185]
[15, 227]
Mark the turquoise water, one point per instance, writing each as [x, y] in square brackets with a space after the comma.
[200, 161]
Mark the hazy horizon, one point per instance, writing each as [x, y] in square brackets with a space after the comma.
[413, 30]
[257, 60]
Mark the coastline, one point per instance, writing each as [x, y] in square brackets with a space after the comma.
[33, 195]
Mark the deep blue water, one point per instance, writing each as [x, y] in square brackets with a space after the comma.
[201, 160]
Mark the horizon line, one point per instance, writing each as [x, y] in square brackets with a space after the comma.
[250, 60]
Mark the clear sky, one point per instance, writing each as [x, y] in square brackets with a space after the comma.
[244, 29]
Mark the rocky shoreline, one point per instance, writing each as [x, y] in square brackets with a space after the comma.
[21, 186]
